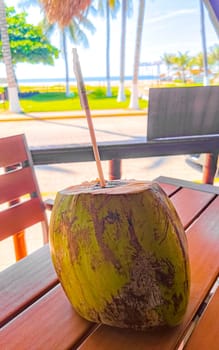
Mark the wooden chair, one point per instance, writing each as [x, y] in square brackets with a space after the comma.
[21, 205]
[186, 113]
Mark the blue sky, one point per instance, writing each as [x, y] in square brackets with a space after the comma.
[170, 26]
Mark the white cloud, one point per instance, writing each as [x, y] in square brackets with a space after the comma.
[172, 14]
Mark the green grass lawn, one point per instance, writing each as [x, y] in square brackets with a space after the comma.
[53, 99]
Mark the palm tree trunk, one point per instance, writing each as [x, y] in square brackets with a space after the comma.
[121, 93]
[204, 48]
[134, 95]
[212, 7]
[65, 56]
[183, 75]
[14, 104]
[108, 88]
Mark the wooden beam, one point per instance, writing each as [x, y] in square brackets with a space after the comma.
[125, 150]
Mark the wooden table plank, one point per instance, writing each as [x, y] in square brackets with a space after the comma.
[190, 203]
[203, 239]
[187, 201]
[51, 323]
[205, 334]
[24, 282]
[168, 188]
[188, 184]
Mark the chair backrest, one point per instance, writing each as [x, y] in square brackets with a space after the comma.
[189, 111]
[21, 205]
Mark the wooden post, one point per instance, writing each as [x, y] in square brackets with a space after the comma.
[210, 168]
[20, 247]
[115, 169]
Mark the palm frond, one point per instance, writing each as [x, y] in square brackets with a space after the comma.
[77, 36]
[48, 28]
[87, 24]
[62, 12]
[129, 8]
[101, 7]
[28, 3]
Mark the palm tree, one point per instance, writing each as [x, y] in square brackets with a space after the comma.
[126, 10]
[198, 61]
[14, 104]
[108, 89]
[73, 32]
[65, 56]
[167, 58]
[214, 54]
[108, 7]
[212, 7]
[134, 95]
[182, 62]
[121, 93]
[204, 48]
[213, 58]
[197, 64]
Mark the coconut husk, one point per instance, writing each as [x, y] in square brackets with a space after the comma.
[62, 11]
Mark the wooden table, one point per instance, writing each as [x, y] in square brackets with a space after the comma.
[35, 313]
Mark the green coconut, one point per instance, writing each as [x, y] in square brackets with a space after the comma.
[121, 254]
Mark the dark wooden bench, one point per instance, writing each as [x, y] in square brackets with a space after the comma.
[186, 113]
[183, 112]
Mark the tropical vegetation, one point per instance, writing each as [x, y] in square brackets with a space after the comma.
[75, 32]
[14, 104]
[23, 42]
[53, 98]
[108, 8]
[126, 10]
[28, 43]
[184, 67]
[134, 104]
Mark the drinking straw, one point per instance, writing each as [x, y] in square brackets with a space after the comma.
[85, 106]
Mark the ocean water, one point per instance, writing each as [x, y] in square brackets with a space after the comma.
[90, 80]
